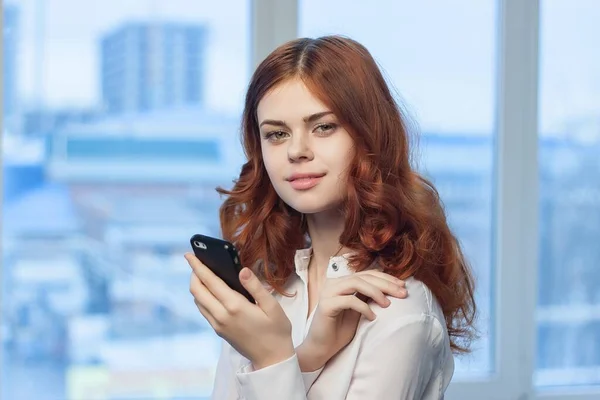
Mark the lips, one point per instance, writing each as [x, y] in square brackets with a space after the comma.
[304, 181]
[296, 177]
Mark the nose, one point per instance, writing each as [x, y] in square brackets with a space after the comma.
[299, 149]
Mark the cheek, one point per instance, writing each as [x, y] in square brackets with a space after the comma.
[344, 156]
[344, 164]
[270, 162]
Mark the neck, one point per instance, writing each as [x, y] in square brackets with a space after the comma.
[325, 229]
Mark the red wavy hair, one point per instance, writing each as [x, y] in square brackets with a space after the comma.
[393, 214]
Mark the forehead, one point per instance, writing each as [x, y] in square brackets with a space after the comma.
[288, 101]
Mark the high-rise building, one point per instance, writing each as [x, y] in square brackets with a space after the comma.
[152, 65]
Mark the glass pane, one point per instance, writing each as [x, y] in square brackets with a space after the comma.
[440, 58]
[121, 118]
[568, 313]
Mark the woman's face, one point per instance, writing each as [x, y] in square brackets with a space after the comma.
[305, 150]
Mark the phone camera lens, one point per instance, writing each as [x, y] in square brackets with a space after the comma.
[199, 245]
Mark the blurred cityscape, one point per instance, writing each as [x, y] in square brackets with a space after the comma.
[99, 205]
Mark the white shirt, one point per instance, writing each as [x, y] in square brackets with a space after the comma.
[404, 354]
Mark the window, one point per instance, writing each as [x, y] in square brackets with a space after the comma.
[121, 118]
[441, 60]
[568, 312]
[119, 123]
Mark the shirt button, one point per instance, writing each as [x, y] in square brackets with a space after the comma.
[334, 266]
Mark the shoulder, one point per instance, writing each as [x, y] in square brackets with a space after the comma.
[419, 315]
[420, 301]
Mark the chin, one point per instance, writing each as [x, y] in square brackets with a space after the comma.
[313, 201]
[308, 208]
[307, 203]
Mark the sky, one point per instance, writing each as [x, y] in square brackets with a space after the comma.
[439, 55]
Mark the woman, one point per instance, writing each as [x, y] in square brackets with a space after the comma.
[337, 227]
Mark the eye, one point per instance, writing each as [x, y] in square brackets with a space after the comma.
[276, 136]
[326, 128]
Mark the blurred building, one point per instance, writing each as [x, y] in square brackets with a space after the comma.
[42, 122]
[569, 300]
[147, 66]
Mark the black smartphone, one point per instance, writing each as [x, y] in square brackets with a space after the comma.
[222, 258]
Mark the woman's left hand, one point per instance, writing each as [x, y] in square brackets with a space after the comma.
[260, 332]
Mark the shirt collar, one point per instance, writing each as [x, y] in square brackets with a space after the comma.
[338, 265]
[302, 259]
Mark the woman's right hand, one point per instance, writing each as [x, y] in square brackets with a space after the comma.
[341, 304]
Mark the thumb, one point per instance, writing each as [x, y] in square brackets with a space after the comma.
[255, 287]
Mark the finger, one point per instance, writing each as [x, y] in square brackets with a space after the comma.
[386, 286]
[349, 302]
[203, 297]
[213, 283]
[356, 285]
[261, 295]
[206, 314]
[382, 275]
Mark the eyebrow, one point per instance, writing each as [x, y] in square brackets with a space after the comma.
[310, 118]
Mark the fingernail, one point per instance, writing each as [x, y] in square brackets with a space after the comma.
[245, 274]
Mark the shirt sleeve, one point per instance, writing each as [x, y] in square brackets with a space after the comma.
[283, 380]
[399, 362]
[260, 384]
[223, 375]
[310, 377]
